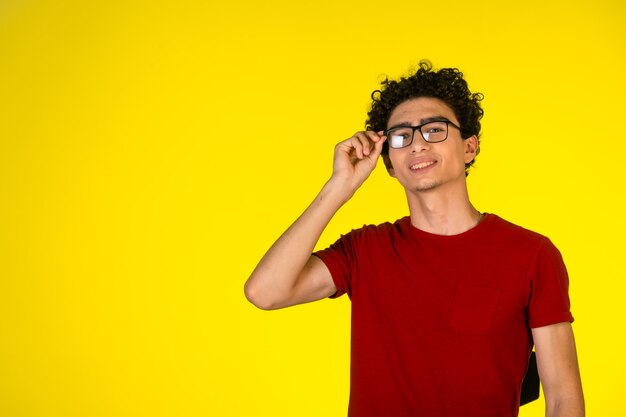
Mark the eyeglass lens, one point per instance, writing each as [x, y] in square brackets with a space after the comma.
[401, 137]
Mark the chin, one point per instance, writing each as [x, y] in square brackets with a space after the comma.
[424, 186]
[427, 187]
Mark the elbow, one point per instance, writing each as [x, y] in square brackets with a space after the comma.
[571, 403]
[256, 297]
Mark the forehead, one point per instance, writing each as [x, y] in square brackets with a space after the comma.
[414, 110]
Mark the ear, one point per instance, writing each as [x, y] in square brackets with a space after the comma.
[388, 165]
[471, 146]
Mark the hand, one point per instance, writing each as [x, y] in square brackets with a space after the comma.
[356, 157]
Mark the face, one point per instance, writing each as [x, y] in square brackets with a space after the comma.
[424, 166]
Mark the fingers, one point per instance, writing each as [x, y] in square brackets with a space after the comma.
[364, 143]
[378, 146]
[356, 157]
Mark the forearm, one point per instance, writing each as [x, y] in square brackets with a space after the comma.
[275, 277]
[573, 406]
[558, 369]
[288, 274]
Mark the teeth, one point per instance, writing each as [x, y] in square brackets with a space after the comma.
[422, 165]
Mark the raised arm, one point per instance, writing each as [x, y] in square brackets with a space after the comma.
[288, 274]
[558, 370]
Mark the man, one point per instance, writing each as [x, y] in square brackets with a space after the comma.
[447, 302]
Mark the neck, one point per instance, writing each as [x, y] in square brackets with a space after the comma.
[443, 213]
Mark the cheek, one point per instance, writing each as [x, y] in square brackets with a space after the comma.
[462, 153]
[394, 158]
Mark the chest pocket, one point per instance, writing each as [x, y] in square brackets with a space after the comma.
[473, 309]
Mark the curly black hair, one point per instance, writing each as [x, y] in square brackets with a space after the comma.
[446, 84]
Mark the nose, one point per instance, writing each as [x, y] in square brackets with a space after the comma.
[419, 143]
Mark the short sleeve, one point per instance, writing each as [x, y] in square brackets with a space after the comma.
[339, 258]
[549, 300]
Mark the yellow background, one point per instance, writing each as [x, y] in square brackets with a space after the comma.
[151, 151]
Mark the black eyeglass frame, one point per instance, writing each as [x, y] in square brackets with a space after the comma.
[419, 127]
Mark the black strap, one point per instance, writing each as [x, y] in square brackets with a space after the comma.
[530, 385]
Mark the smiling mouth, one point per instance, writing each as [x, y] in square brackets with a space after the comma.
[421, 165]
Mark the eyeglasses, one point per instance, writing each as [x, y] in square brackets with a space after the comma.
[432, 132]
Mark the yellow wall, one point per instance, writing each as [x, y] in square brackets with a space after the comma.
[151, 151]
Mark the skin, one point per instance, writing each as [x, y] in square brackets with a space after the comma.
[438, 203]
[437, 195]
[557, 364]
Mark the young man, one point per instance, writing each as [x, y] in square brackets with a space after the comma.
[447, 302]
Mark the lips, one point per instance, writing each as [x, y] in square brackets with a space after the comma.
[421, 164]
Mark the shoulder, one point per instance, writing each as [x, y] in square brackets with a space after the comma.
[376, 234]
[386, 229]
[505, 229]
[518, 241]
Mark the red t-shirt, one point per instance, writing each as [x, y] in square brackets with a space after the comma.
[441, 324]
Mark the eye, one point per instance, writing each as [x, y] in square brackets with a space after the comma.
[398, 141]
[435, 127]
[399, 134]
[400, 137]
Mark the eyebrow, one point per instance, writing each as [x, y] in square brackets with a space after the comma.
[434, 119]
[422, 121]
